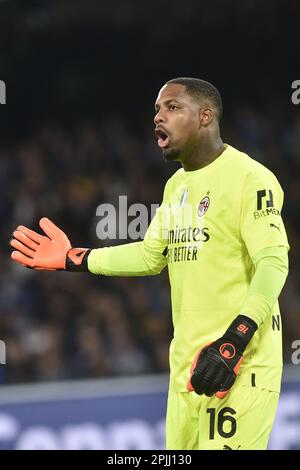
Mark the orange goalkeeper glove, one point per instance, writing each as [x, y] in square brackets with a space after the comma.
[52, 251]
[216, 366]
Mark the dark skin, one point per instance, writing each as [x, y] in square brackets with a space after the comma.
[187, 128]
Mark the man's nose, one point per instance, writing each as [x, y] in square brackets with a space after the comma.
[159, 118]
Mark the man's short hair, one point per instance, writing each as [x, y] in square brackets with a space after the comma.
[201, 89]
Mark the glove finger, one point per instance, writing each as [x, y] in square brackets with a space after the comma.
[198, 377]
[36, 237]
[201, 365]
[209, 379]
[216, 383]
[51, 229]
[223, 379]
[22, 248]
[227, 382]
[25, 240]
[22, 259]
[202, 382]
[197, 381]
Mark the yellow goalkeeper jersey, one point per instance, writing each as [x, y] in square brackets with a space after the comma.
[211, 224]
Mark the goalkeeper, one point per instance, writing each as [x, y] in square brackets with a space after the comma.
[219, 230]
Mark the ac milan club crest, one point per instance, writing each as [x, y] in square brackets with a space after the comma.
[203, 206]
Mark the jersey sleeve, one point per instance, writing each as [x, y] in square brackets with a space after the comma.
[261, 224]
[147, 257]
[271, 270]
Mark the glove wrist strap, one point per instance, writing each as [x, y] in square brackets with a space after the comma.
[77, 260]
[241, 331]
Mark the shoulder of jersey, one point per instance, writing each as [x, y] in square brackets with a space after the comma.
[243, 163]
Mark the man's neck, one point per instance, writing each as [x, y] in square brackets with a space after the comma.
[207, 152]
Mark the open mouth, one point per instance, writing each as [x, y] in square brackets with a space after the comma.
[163, 138]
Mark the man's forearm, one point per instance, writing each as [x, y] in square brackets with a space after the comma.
[131, 259]
[266, 284]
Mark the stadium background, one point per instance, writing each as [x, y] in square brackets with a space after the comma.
[77, 131]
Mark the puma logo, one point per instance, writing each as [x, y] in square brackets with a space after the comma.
[230, 448]
[275, 226]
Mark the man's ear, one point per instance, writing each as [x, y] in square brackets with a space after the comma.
[205, 116]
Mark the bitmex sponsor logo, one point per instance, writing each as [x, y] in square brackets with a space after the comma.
[2, 92]
[265, 204]
[265, 213]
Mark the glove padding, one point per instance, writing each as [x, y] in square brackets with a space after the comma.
[52, 251]
[215, 369]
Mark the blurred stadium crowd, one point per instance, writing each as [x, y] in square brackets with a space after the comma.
[66, 325]
[77, 132]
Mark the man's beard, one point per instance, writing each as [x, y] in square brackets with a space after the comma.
[171, 154]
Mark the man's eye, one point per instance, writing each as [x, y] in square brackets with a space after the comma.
[173, 106]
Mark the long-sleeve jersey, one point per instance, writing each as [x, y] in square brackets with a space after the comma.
[219, 230]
